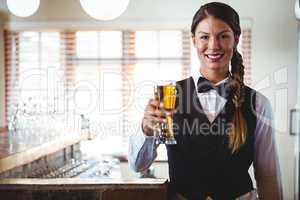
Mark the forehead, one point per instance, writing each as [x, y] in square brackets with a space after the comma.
[212, 25]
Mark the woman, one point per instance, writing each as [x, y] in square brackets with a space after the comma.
[221, 125]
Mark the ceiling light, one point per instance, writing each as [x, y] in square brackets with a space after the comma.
[23, 8]
[104, 9]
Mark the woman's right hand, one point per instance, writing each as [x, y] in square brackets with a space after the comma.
[152, 115]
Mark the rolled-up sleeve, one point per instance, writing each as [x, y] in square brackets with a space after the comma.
[142, 151]
[266, 163]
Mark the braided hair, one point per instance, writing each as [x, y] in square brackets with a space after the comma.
[238, 132]
[238, 135]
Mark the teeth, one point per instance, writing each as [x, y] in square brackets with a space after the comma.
[214, 56]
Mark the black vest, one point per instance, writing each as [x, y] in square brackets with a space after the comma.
[200, 163]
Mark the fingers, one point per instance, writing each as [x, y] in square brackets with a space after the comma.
[153, 109]
[154, 120]
[153, 103]
[148, 126]
[152, 116]
[156, 113]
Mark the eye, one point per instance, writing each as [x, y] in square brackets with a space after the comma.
[204, 37]
[225, 36]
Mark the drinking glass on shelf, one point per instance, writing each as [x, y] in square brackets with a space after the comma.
[165, 93]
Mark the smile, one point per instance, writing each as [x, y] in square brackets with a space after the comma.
[214, 57]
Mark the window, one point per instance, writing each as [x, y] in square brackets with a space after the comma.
[121, 69]
[32, 62]
[99, 87]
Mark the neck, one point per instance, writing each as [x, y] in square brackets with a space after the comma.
[214, 76]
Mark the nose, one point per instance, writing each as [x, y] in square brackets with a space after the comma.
[213, 43]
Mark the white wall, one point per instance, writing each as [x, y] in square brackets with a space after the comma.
[274, 46]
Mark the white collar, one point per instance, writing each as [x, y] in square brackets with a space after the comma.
[196, 76]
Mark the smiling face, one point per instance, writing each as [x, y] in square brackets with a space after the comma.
[214, 41]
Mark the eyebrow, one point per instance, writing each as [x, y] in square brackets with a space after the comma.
[224, 31]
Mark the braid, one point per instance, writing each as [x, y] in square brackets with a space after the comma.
[238, 134]
[237, 78]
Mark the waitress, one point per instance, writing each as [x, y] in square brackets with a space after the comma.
[221, 126]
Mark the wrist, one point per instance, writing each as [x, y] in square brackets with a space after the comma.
[147, 131]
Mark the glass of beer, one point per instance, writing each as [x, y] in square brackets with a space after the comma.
[165, 93]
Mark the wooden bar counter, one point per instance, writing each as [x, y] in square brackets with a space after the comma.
[83, 189]
[18, 159]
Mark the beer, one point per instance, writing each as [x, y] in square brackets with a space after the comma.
[169, 94]
[166, 95]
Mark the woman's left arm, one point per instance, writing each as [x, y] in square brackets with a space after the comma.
[266, 163]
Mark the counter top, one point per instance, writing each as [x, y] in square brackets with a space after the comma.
[15, 152]
[80, 184]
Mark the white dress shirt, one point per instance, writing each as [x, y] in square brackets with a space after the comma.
[142, 149]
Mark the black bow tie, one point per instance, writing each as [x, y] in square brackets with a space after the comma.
[204, 85]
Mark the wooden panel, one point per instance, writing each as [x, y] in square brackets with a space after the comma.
[83, 189]
[134, 194]
[3, 129]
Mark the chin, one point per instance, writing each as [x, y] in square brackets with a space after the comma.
[215, 66]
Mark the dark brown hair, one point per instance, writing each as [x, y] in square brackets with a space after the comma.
[238, 134]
